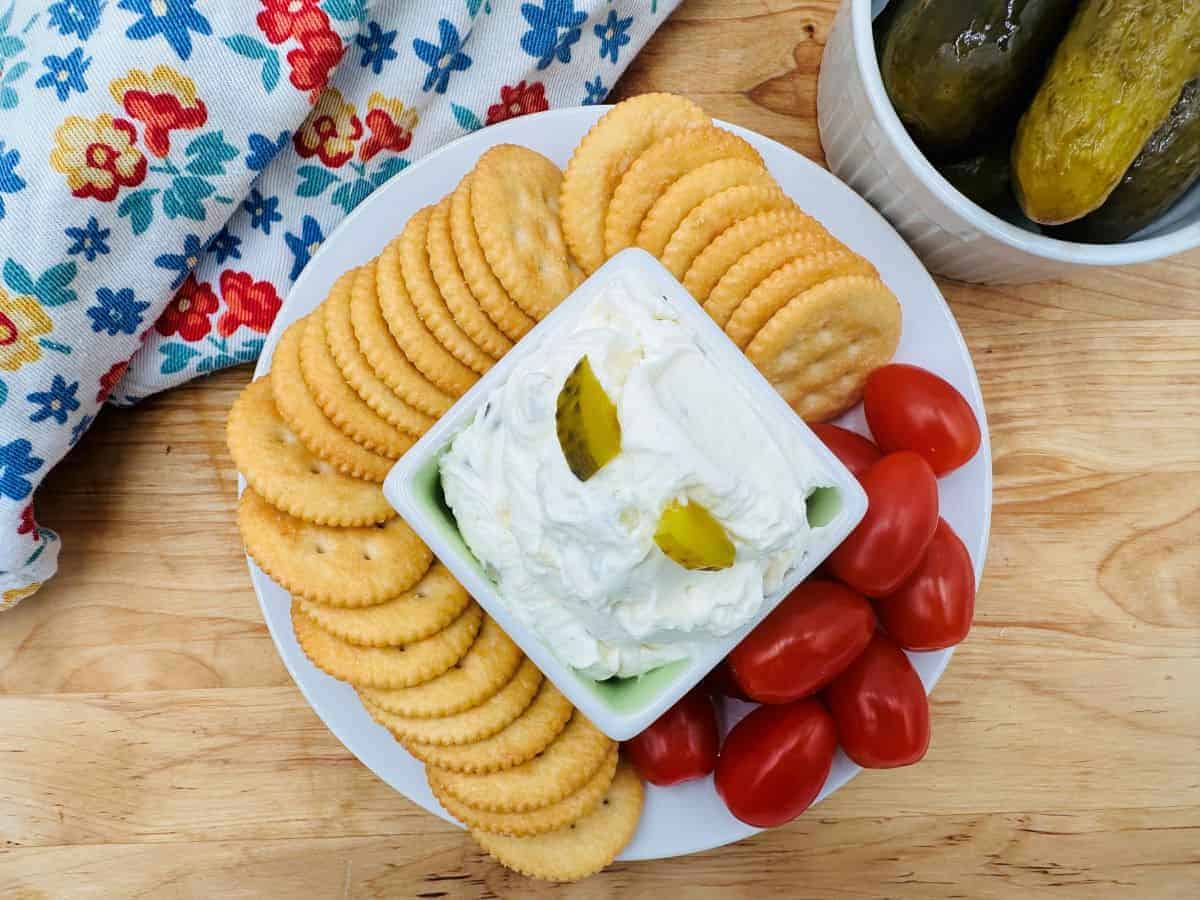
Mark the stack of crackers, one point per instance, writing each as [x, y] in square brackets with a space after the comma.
[811, 314]
[352, 386]
[398, 340]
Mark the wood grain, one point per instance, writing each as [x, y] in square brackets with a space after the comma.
[151, 743]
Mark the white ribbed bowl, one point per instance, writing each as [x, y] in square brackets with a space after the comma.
[868, 147]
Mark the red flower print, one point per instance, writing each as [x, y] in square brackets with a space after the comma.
[518, 100]
[249, 302]
[161, 113]
[319, 53]
[330, 131]
[109, 380]
[164, 100]
[187, 313]
[390, 124]
[99, 156]
[282, 19]
[27, 523]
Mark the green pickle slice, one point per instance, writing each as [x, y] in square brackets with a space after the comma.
[586, 420]
[689, 535]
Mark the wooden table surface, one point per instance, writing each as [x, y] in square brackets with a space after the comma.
[151, 743]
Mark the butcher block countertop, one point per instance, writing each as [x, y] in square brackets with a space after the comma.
[152, 744]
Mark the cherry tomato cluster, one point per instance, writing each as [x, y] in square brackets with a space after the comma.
[828, 664]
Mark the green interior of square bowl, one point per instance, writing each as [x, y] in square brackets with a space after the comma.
[622, 695]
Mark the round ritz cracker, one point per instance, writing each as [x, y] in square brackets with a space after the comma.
[470, 725]
[523, 739]
[748, 271]
[790, 279]
[285, 473]
[430, 358]
[467, 313]
[670, 209]
[386, 667]
[302, 414]
[357, 370]
[337, 399]
[737, 240]
[486, 667]
[660, 166]
[720, 211]
[582, 848]
[486, 289]
[561, 769]
[570, 809]
[514, 205]
[601, 159]
[384, 354]
[427, 297]
[412, 613]
[819, 349]
[338, 566]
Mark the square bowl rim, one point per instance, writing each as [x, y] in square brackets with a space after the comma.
[399, 488]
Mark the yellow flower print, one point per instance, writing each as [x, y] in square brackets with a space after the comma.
[98, 156]
[391, 124]
[14, 596]
[404, 116]
[163, 80]
[330, 131]
[163, 100]
[22, 322]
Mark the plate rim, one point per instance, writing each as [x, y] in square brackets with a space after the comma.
[498, 135]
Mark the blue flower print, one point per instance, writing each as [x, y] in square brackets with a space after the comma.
[263, 150]
[80, 427]
[612, 35]
[173, 20]
[543, 39]
[376, 46]
[16, 462]
[91, 240]
[56, 403]
[303, 245]
[10, 181]
[181, 263]
[442, 58]
[596, 91]
[79, 17]
[65, 73]
[225, 246]
[263, 210]
[116, 312]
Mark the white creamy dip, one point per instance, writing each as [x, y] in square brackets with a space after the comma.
[576, 561]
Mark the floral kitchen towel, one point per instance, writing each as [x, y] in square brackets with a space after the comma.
[168, 167]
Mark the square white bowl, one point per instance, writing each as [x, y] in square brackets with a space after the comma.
[621, 708]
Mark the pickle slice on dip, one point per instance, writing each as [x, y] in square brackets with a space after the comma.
[588, 430]
[689, 535]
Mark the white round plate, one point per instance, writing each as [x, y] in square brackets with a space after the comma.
[690, 817]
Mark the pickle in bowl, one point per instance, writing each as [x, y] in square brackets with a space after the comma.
[1168, 165]
[960, 72]
[986, 179]
[1115, 77]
